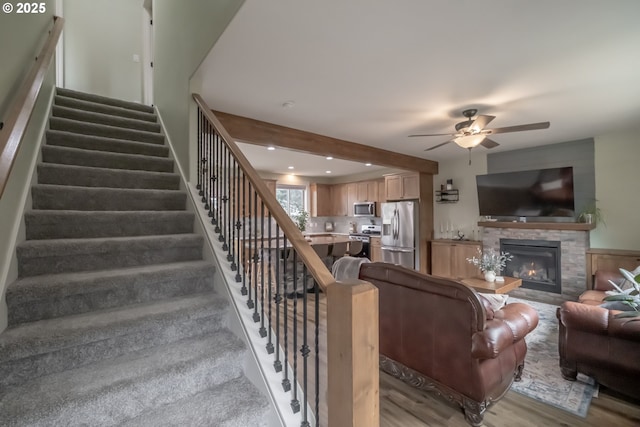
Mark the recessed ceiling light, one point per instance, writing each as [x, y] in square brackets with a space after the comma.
[271, 148]
[327, 171]
[329, 158]
[367, 164]
[290, 167]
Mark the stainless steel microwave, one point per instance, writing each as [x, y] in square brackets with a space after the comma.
[364, 209]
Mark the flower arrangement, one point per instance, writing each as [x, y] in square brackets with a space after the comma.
[490, 260]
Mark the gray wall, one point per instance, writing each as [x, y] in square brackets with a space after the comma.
[100, 39]
[184, 33]
[578, 154]
[24, 36]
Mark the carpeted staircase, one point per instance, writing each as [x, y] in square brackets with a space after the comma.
[113, 320]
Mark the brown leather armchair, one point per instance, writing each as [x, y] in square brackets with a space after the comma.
[593, 342]
[440, 335]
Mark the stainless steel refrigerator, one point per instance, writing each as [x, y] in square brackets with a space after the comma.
[399, 233]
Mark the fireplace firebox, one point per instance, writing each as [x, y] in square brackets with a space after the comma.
[536, 262]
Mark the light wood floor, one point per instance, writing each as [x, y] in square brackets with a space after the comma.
[405, 406]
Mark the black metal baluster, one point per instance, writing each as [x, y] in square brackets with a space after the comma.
[317, 345]
[214, 195]
[227, 185]
[252, 268]
[212, 172]
[205, 175]
[277, 364]
[238, 224]
[224, 187]
[232, 216]
[269, 346]
[295, 404]
[245, 261]
[218, 149]
[256, 257]
[286, 384]
[263, 330]
[304, 350]
[200, 142]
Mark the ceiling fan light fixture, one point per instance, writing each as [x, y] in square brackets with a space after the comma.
[469, 141]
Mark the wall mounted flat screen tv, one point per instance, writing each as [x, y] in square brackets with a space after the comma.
[532, 193]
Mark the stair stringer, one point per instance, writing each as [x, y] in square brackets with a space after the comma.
[17, 232]
[256, 365]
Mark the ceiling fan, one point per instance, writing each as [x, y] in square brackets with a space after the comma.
[471, 133]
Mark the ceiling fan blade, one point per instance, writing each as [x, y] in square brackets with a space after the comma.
[439, 145]
[489, 143]
[435, 134]
[480, 123]
[519, 128]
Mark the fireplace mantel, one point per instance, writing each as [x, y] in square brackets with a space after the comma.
[571, 226]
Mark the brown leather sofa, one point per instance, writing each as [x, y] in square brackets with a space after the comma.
[440, 335]
[591, 341]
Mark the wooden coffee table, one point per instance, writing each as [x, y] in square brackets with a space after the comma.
[481, 285]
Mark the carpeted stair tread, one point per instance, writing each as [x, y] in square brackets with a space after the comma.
[35, 349]
[36, 257]
[83, 176]
[112, 391]
[58, 123]
[65, 197]
[95, 107]
[104, 100]
[67, 224]
[105, 159]
[219, 406]
[97, 143]
[53, 295]
[104, 119]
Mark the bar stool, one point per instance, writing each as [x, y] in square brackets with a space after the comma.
[355, 247]
[338, 251]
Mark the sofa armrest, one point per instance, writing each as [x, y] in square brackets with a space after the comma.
[509, 325]
[598, 320]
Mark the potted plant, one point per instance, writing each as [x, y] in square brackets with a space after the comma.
[300, 219]
[591, 214]
[626, 300]
[490, 263]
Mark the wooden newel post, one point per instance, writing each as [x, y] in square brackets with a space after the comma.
[353, 354]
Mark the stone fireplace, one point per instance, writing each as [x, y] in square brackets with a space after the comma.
[536, 262]
[572, 240]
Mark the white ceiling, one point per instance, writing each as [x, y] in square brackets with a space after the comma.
[375, 71]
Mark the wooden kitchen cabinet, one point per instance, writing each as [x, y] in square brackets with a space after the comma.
[449, 258]
[320, 203]
[367, 191]
[402, 186]
[382, 197]
[375, 249]
[339, 200]
[352, 197]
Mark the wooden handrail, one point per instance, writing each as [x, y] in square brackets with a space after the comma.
[21, 108]
[314, 264]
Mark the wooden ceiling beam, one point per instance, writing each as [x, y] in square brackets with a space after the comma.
[256, 132]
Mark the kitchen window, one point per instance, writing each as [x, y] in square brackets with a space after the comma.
[292, 198]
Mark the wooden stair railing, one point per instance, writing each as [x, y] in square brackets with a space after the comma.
[325, 341]
[21, 108]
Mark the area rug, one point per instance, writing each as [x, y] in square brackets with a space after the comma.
[541, 379]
